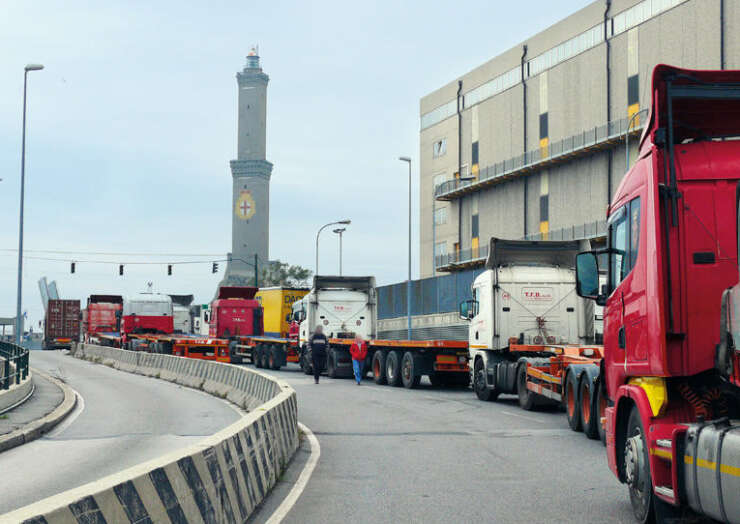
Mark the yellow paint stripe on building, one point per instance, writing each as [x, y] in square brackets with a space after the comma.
[545, 229]
[544, 146]
[632, 111]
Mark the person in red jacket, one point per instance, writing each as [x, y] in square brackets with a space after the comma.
[358, 350]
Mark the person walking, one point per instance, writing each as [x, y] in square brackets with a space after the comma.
[358, 350]
[319, 344]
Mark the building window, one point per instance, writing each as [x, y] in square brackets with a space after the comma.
[474, 154]
[440, 148]
[440, 248]
[474, 226]
[440, 216]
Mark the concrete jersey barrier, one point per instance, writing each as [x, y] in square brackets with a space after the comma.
[221, 479]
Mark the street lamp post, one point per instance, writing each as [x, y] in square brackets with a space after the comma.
[339, 232]
[344, 222]
[18, 317]
[408, 283]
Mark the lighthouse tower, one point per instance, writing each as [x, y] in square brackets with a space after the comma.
[251, 175]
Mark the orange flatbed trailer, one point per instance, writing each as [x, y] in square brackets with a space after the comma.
[570, 377]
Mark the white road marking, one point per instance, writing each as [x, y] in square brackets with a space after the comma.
[284, 508]
[76, 412]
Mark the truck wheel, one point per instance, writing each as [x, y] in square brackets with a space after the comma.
[479, 383]
[235, 359]
[570, 400]
[588, 411]
[393, 369]
[274, 360]
[637, 469]
[379, 367]
[601, 410]
[331, 364]
[526, 397]
[409, 370]
[307, 367]
[257, 356]
[265, 357]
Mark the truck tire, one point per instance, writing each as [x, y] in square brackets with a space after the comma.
[274, 357]
[571, 402]
[588, 408]
[331, 363]
[257, 356]
[601, 410]
[410, 366]
[307, 366]
[235, 359]
[393, 369]
[479, 383]
[379, 367]
[265, 357]
[526, 397]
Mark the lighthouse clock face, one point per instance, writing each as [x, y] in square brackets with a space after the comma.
[245, 207]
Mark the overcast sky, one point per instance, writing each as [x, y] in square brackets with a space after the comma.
[132, 124]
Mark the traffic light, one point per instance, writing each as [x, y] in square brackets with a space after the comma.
[214, 269]
[120, 269]
[72, 268]
[169, 269]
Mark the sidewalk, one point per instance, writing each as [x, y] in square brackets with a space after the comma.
[45, 398]
[50, 403]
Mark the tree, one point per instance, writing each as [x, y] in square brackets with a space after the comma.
[283, 274]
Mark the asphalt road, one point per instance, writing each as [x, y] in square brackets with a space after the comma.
[441, 455]
[127, 419]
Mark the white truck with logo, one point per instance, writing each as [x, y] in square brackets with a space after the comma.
[524, 304]
[344, 307]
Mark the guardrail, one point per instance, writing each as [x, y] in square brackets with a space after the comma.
[221, 478]
[14, 364]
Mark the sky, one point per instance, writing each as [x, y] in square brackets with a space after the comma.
[132, 123]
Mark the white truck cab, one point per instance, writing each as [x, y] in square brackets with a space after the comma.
[344, 306]
[524, 300]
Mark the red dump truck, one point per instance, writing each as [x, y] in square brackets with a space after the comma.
[62, 324]
[671, 365]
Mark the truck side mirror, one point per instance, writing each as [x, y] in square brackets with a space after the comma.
[587, 277]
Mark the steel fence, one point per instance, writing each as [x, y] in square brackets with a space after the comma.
[429, 296]
[13, 363]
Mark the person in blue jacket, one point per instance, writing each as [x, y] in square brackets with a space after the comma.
[319, 345]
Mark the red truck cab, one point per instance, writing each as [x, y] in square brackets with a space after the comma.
[236, 312]
[102, 314]
[146, 313]
[672, 253]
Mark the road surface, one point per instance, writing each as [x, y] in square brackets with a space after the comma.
[440, 455]
[127, 419]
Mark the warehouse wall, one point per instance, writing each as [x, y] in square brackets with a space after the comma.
[561, 101]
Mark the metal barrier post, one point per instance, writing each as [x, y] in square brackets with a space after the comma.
[6, 374]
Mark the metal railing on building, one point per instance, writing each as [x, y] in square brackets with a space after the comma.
[463, 257]
[595, 139]
[13, 364]
[476, 257]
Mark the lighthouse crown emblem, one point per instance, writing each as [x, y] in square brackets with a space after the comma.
[245, 206]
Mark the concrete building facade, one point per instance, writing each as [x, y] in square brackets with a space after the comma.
[251, 174]
[532, 144]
